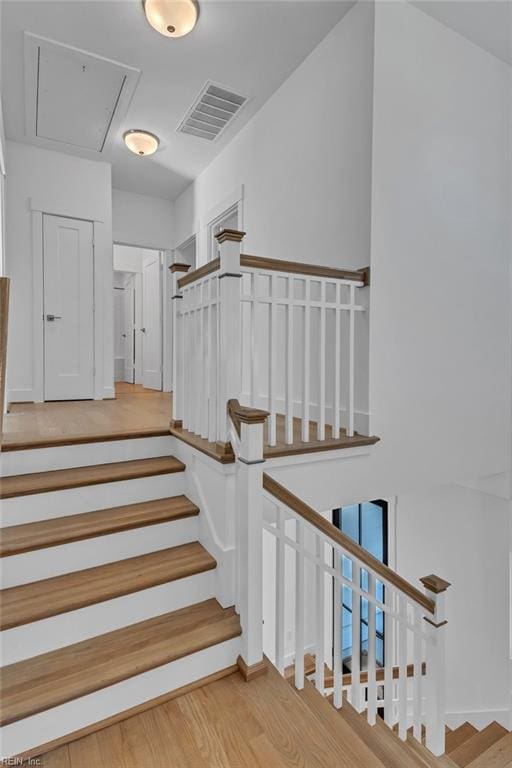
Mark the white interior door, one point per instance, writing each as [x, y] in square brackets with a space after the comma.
[68, 273]
[151, 330]
[129, 330]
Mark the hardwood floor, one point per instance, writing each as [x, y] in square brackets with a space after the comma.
[135, 412]
[227, 724]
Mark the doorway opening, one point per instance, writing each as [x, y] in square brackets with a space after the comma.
[138, 316]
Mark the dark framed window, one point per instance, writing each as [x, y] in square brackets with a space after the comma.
[367, 525]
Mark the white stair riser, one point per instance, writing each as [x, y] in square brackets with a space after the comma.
[54, 723]
[66, 456]
[58, 631]
[72, 501]
[78, 555]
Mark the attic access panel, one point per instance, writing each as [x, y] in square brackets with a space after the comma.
[74, 97]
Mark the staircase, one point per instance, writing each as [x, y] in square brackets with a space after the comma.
[465, 746]
[108, 599]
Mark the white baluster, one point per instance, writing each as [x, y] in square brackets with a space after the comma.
[299, 607]
[289, 365]
[337, 365]
[435, 683]
[177, 271]
[252, 342]
[402, 667]
[320, 617]
[272, 367]
[229, 351]
[355, 699]
[321, 367]
[307, 350]
[337, 649]
[250, 532]
[280, 590]
[372, 660]
[389, 653]
[351, 363]
[418, 679]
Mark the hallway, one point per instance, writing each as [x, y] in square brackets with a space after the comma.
[135, 412]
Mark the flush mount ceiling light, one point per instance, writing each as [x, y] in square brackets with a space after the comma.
[172, 18]
[141, 142]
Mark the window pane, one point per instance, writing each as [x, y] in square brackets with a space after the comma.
[372, 534]
[350, 521]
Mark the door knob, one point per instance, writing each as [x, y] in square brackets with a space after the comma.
[123, 335]
[143, 330]
[51, 318]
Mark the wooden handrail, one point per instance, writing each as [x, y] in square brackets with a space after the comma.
[365, 558]
[297, 267]
[280, 265]
[241, 414]
[197, 274]
[4, 319]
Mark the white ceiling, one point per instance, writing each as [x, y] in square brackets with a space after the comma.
[488, 23]
[251, 46]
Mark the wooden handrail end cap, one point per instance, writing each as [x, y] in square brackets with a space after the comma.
[233, 235]
[435, 584]
[179, 267]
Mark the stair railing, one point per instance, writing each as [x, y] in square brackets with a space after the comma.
[330, 571]
[276, 335]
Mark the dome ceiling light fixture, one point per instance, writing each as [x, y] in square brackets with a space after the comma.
[172, 18]
[141, 142]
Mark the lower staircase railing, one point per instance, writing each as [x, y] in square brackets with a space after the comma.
[319, 570]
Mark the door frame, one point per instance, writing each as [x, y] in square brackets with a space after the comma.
[166, 256]
[37, 211]
[235, 200]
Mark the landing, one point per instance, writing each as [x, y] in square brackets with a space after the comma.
[135, 412]
[227, 724]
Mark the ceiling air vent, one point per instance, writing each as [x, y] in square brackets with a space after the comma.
[211, 112]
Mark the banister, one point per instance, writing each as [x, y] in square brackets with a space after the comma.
[198, 273]
[363, 556]
[242, 414]
[297, 267]
[280, 265]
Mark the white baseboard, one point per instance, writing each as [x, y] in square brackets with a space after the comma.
[20, 395]
[109, 393]
[480, 718]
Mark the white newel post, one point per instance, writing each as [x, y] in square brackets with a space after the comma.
[230, 339]
[177, 271]
[435, 589]
[250, 462]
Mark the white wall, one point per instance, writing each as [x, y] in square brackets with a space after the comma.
[440, 283]
[304, 160]
[55, 183]
[462, 535]
[142, 220]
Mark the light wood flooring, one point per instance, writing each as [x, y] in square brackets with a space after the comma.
[267, 724]
[135, 412]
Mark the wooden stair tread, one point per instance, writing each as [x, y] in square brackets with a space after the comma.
[60, 594]
[45, 681]
[355, 747]
[381, 740]
[497, 756]
[27, 442]
[76, 477]
[458, 736]
[478, 744]
[61, 530]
